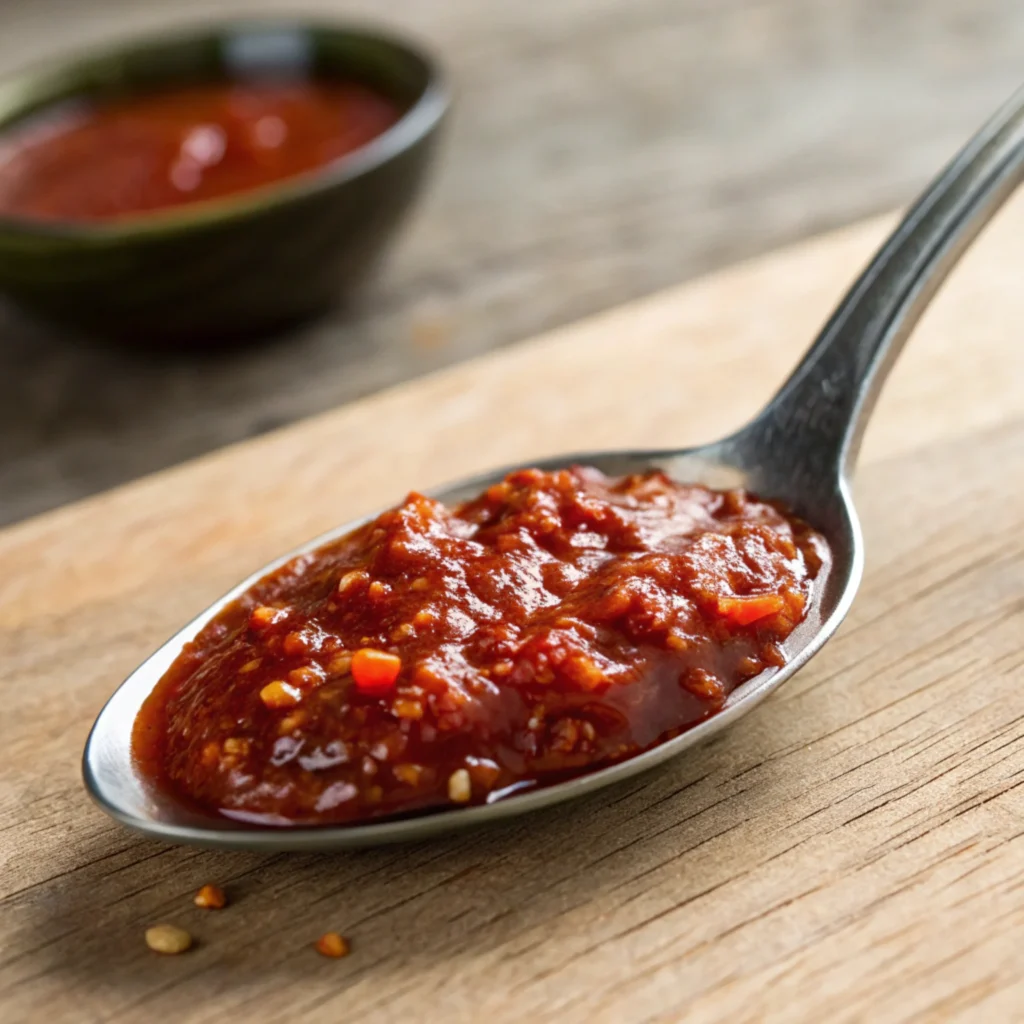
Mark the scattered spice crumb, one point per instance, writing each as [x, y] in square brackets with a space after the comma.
[333, 945]
[210, 897]
[168, 938]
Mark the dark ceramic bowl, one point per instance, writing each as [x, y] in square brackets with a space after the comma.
[228, 268]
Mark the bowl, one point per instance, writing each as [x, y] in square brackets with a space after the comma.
[247, 264]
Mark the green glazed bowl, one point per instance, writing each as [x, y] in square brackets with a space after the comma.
[236, 267]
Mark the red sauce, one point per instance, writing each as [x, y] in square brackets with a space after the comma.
[560, 622]
[152, 152]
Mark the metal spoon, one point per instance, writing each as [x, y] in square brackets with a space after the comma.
[800, 450]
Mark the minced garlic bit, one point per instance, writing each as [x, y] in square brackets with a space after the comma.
[403, 707]
[340, 664]
[263, 616]
[280, 694]
[351, 580]
[460, 788]
[291, 722]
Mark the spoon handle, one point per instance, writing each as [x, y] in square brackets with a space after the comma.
[815, 422]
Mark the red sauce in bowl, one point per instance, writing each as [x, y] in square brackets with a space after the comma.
[558, 623]
[127, 157]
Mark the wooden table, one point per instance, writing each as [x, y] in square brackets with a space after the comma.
[851, 851]
[601, 151]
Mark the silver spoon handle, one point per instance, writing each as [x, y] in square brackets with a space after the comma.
[815, 422]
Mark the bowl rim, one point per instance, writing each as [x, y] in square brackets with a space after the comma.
[416, 124]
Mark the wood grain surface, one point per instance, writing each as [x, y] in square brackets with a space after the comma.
[851, 851]
[600, 150]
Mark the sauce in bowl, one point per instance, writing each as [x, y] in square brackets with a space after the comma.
[129, 157]
[560, 622]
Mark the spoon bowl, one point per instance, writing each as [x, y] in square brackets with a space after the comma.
[799, 450]
[130, 797]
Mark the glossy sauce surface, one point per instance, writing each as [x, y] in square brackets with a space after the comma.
[560, 622]
[146, 153]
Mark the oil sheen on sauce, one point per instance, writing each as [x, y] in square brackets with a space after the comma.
[124, 158]
[560, 622]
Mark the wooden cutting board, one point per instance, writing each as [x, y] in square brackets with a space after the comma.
[853, 850]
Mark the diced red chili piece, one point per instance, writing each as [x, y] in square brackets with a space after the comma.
[375, 671]
[745, 610]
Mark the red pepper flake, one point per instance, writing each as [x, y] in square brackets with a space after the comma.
[375, 672]
[210, 897]
[333, 945]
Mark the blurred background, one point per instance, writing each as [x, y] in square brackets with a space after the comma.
[600, 150]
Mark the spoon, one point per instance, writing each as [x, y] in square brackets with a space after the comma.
[799, 450]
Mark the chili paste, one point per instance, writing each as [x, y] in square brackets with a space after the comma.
[126, 157]
[560, 622]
